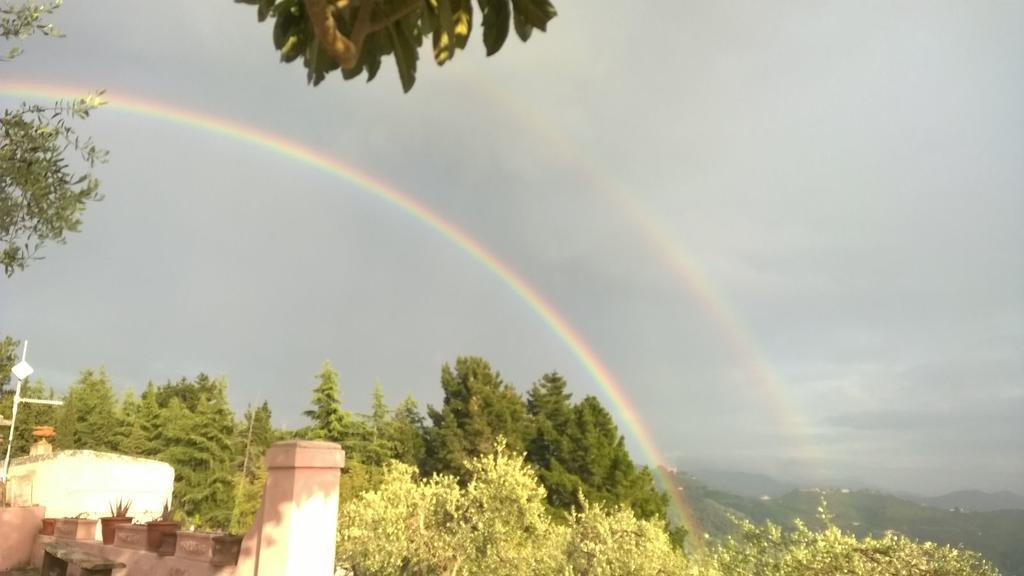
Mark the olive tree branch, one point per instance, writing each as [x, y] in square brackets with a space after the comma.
[346, 50]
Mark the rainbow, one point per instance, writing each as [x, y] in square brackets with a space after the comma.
[419, 211]
[686, 270]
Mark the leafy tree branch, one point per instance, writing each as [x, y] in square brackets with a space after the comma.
[354, 36]
[45, 166]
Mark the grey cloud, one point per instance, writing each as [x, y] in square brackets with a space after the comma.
[848, 176]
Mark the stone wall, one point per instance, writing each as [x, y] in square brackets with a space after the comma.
[73, 482]
[293, 533]
[18, 527]
[139, 562]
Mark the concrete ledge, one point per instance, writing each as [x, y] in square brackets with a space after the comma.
[18, 528]
[139, 562]
[132, 536]
[305, 454]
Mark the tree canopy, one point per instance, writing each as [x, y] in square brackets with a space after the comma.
[356, 35]
[45, 166]
[562, 496]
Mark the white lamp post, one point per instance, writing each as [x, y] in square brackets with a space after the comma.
[21, 371]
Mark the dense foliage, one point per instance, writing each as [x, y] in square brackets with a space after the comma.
[45, 178]
[355, 35]
[496, 524]
[995, 534]
[769, 550]
[218, 459]
[489, 483]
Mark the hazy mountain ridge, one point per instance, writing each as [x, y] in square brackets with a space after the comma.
[747, 484]
[971, 500]
[996, 534]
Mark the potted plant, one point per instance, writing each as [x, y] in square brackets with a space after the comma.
[49, 524]
[118, 515]
[226, 548]
[75, 528]
[155, 529]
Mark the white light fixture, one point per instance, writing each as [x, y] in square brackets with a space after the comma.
[22, 370]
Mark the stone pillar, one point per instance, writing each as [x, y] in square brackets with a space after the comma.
[18, 528]
[296, 528]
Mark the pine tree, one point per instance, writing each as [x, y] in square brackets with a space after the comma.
[9, 356]
[406, 433]
[29, 416]
[259, 435]
[329, 420]
[379, 413]
[183, 446]
[550, 408]
[129, 437]
[148, 420]
[89, 419]
[598, 457]
[377, 449]
[198, 441]
[478, 408]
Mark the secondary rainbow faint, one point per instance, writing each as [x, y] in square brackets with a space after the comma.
[282, 146]
[685, 270]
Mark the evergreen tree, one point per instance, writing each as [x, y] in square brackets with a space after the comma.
[9, 356]
[329, 420]
[478, 407]
[148, 420]
[199, 442]
[406, 433]
[183, 446]
[379, 413]
[377, 448]
[129, 437]
[598, 457]
[29, 416]
[89, 420]
[259, 435]
[550, 408]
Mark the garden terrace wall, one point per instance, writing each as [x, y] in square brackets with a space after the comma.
[138, 562]
[73, 482]
[18, 528]
[293, 533]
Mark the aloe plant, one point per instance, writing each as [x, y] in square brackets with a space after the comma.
[120, 508]
[168, 514]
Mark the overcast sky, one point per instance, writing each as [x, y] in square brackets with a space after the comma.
[848, 175]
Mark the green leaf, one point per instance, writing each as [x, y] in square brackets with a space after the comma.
[372, 56]
[463, 23]
[281, 29]
[405, 55]
[537, 13]
[264, 9]
[444, 36]
[523, 28]
[292, 49]
[497, 14]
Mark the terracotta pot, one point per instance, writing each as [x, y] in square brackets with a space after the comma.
[226, 549]
[49, 524]
[155, 531]
[108, 524]
[130, 536]
[75, 529]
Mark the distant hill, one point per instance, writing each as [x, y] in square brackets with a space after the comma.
[998, 535]
[743, 483]
[973, 500]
